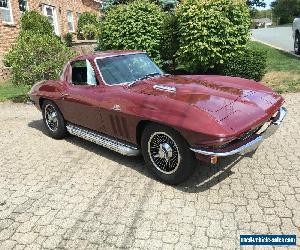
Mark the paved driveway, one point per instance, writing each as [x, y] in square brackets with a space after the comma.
[74, 194]
[281, 37]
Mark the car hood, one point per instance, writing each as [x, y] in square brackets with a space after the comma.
[235, 102]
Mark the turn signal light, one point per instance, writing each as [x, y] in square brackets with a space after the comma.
[214, 160]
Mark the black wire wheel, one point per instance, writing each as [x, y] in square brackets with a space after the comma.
[53, 120]
[51, 117]
[164, 153]
[167, 154]
[297, 44]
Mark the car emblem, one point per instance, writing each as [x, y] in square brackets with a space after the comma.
[116, 108]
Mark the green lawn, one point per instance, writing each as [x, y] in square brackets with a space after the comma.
[283, 70]
[12, 92]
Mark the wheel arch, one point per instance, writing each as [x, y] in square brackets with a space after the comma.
[41, 101]
[144, 123]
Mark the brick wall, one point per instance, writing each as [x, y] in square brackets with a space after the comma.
[4, 74]
[84, 47]
[9, 32]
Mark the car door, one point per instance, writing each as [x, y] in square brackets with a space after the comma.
[79, 105]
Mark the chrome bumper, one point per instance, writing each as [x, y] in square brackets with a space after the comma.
[249, 144]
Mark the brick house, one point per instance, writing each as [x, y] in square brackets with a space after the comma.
[63, 15]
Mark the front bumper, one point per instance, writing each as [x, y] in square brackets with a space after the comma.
[250, 144]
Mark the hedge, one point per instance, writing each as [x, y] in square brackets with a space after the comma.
[250, 63]
[37, 23]
[135, 26]
[210, 32]
[37, 57]
[88, 26]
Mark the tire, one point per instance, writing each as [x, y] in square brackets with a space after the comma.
[297, 44]
[170, 159]
[55, 124]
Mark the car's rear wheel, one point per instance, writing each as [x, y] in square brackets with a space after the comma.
[53, 120]
[167, 154]
[297, 44]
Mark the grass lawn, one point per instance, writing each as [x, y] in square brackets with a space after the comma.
[12, 92]
[283, 69]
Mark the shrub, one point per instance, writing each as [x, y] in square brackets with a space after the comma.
[36, 57]
[169, 45]
[210, 31]
[68, 37]
[86, 21]
[90, 31]
[35, 22]
[250, 63]
[137, 26]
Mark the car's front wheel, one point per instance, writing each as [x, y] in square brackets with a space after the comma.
[53, 120]
[297, 44]
[167, 154]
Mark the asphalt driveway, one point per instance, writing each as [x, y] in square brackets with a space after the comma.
[281, 37]
[72, 194]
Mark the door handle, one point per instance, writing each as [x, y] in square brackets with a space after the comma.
[116, 108]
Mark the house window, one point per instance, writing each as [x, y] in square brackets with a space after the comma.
[70, 21]
[22, 5]
[5, 11]
[50, 12]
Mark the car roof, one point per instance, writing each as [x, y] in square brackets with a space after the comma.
[103, 54]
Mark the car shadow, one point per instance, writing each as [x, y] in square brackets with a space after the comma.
[205, 176]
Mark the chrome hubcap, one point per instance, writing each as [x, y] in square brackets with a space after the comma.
[51, 117]
[297, 42]
[164, 153]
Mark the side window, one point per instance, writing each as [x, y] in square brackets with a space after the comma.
[83, 73]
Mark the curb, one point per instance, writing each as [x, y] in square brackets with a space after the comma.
[275, 47]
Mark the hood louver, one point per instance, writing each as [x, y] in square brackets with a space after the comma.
[164, 88]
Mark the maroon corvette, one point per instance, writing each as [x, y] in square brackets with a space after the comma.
[123, 101]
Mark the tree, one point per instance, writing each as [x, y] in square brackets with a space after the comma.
[286, 10]
[134, 26]
[165, 4]
[256, 3]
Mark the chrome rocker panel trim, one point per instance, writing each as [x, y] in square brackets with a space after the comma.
[102, 140]
[252, 144]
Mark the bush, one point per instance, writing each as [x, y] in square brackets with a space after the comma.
[210, 32]
[68, 37]
[169, 45]
[37, 57]
[135, 26]
[37, 23]
[90, 32]
[250, 63]
[86, 21]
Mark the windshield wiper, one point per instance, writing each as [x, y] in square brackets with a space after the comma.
[149, 75]
[144, 77]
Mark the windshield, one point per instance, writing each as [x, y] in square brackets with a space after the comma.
[127, 68]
